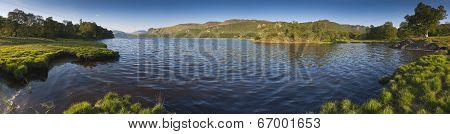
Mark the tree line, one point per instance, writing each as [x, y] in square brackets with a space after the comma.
[322, 30]
[424, 22]
[21, 24]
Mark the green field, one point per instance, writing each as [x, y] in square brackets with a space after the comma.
[20, 56]
[419, 87]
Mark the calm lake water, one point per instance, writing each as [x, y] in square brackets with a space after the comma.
[214, 76]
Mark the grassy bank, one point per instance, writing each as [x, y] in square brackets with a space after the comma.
[442, 41]
[112, 103]
[418, 87]
[19, 56]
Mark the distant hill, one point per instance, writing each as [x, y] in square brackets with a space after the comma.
[139, 32]
[241, 28]
[233, 28]
[120, 34]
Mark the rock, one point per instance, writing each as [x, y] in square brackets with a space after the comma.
[384, 80]
[402, 44]
[424, 45]
[432, 46]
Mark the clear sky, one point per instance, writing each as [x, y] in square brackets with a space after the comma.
[132, 15]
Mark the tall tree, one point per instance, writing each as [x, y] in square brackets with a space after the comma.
[16, 18]
[88, 30]
[389, 31]
[50, 27]
[404, 31]
[2, 23]
[68, 29]
[425, 18]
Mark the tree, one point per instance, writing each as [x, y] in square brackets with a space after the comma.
[50, 28]
[425, 18]
[441, 30]
[68, 29]
[2, 23]
[404, 31]
[16, 19]
[389, 31]
[88, 30]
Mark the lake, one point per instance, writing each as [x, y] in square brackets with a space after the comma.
[214, 76]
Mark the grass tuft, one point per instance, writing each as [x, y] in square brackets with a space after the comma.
[113, 103]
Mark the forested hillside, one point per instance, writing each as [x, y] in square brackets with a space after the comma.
[233, 28]
[260, 29]
[319, 31]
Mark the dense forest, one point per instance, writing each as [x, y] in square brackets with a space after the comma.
[21, 24]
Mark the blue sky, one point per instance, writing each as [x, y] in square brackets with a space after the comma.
[132, 15]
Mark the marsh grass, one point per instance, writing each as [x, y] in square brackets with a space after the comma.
[19, 56]
[419, 87]
[113, 103]
[7, 106]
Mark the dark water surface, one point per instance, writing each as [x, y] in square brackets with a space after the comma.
[215, 76]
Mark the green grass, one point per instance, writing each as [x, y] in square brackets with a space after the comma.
[441, 40]
[112, 103]
[19, 56]
[419, 87]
